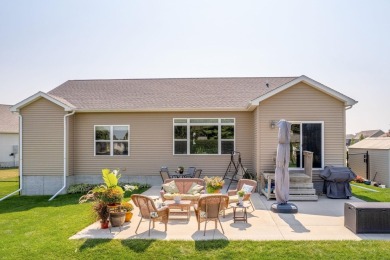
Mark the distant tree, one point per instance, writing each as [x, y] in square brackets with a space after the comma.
[352, 141]
[361, 137]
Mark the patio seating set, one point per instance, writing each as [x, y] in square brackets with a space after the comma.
[178, 195]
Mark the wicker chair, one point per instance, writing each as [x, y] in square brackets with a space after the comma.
[149, 211]
[209, 208]
[233, 197]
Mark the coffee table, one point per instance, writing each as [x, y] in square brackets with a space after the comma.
[181, 208]
[244, 215]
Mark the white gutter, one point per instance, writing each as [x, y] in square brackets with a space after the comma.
[20, 158]
[65, 155]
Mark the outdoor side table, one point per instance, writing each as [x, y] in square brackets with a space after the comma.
[244, 215]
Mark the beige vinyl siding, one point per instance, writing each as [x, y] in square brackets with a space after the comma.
[302, 103]
[151, 143]
[43, 138]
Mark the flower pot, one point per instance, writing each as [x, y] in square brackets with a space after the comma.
[211, 190]
[240, 199]
[117, 218]
[128, 217]
[104, 224]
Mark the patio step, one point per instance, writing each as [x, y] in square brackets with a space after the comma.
[303, 197]
[302, 191]
[298, 185]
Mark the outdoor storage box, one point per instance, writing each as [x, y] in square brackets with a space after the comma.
[367, 217]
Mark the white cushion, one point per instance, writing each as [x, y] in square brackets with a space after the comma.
[247, 188]
[170, 187]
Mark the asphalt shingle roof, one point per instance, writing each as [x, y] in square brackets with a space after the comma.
[150, 94]
[9, 122]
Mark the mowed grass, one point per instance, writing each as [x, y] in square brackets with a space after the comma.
[365, 193]
[34, 228]
[9, 181]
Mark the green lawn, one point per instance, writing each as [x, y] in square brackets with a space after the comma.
[363, 193]
[33, 228]
[9, 181]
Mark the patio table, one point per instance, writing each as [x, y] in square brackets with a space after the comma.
[181, 208]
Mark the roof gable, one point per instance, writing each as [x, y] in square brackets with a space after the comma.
[56, 100]
[347, 100]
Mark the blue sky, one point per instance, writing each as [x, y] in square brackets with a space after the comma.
[342, 44]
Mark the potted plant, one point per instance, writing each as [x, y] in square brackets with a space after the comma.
[112, 196]
[104, 196]
[214, 184]
[180, 169]
[102, 213]
[240, 194]
[128, 207]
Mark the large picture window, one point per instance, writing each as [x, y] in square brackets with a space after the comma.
[306, 136]
[111, 140]
[203, 136]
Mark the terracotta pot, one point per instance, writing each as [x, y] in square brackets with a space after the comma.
[104, 224]
[128, 217]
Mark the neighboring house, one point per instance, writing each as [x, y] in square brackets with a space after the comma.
[362, 135]
[378, 149]
[9, 137]
[139, 125]
[386, 134]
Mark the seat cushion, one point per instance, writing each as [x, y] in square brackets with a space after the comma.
[195, 196]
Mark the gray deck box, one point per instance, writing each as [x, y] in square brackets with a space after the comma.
[367, 217]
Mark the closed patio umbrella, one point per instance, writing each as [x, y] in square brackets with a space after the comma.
[282, 176]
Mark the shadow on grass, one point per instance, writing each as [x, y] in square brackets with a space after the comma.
[207, 245]
[138, 245]
[91, 243]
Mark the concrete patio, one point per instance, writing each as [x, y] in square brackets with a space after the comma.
[315, 220]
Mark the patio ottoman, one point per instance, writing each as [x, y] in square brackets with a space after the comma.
[367, 217]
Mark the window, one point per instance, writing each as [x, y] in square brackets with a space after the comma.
[203, 136]
[306, 136]
[111, 140]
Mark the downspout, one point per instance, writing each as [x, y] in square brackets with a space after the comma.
[20, 158]
[65, 155]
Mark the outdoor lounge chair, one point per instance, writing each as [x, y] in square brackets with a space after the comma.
[191, 171]
[197, 174]
[233, 197]
[209, 208]
[148, 210]
[164, 174]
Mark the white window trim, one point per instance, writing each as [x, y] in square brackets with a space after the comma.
[188, 124]
[111, 141]
[300, 143]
